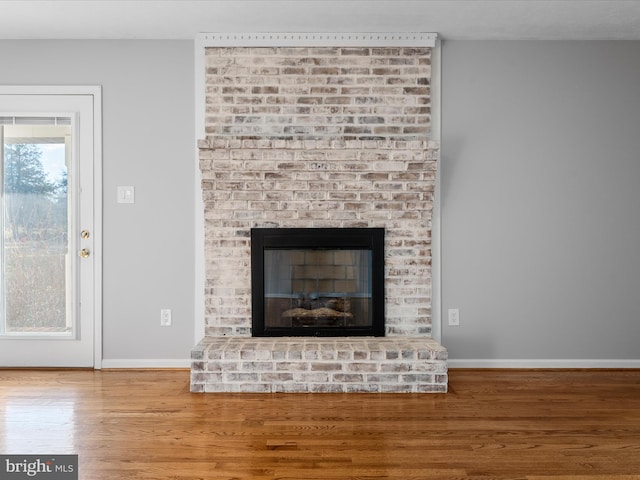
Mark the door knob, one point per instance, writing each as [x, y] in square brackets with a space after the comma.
[84, 253]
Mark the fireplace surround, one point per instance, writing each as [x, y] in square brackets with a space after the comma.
[266, 183]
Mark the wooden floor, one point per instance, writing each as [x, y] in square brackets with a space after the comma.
[493, 424]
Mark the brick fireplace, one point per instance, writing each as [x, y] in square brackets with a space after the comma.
[311, 137]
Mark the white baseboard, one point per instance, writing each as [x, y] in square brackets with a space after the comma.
[536, 363]
[452, 363]
[146, 363]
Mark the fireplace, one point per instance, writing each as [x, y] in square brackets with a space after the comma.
[325, 282]
[300, 139]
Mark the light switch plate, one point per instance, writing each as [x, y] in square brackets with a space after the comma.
[126, 194]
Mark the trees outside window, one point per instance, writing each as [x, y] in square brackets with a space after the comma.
[35, 246]
[31, 199]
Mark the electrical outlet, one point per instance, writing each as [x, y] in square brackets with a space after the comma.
[454, 317]
[165, 317]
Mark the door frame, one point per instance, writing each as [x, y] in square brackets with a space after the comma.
[96, 92]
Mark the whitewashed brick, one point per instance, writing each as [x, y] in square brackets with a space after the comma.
[324, 170]
[418, 372]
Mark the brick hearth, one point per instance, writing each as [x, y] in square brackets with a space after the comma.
[302, 364]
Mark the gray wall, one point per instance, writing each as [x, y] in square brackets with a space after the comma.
[540, 199]
[148, 141]
[540, 209]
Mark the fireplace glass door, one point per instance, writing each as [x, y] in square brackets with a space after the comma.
[313, 285]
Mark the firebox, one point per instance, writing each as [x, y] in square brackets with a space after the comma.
[317, 282]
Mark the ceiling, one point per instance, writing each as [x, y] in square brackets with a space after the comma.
[452, 19]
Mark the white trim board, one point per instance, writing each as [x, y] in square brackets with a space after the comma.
[318, 39]
[198, 202]
[97, 222]
[452, 363]
[543, 363]
[436, 243]
[146, 363]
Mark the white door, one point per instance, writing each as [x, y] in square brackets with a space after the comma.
[49, 262]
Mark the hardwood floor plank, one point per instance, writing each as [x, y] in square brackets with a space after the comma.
[493, 424]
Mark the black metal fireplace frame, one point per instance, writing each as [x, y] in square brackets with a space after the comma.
[317, 238]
